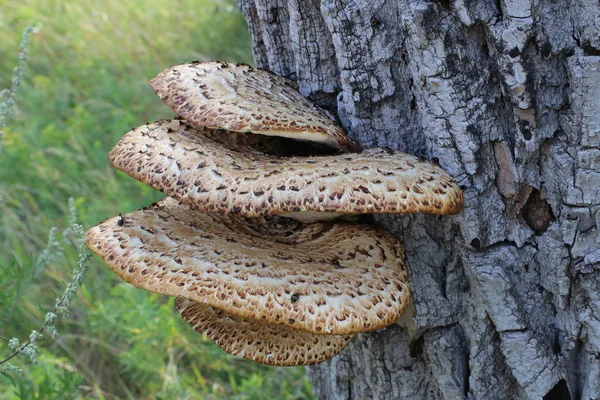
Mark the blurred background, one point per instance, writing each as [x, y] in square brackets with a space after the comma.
[85, 86]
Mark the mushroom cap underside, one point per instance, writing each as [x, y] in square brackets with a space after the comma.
[271, 344]
[324, 278]
[240, 98]
[213, 172]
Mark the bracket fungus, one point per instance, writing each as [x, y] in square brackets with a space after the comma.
[236, 241]
[324, 278]
[257, 341]
[212, 172]
[237, 97]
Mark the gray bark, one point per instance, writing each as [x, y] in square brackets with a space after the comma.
[506, 95]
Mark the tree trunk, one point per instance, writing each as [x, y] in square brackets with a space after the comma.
[505, 95]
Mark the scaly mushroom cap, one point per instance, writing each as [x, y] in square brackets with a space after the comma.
[270, 344]
[240, 98]
[334, 278]
[212, 172]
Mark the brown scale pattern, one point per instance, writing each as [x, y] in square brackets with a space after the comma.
[211, 171]
[324, 278]
[270, 344]
[240, 98]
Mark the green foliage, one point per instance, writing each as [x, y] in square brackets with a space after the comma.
[8, 96]
[85, 86]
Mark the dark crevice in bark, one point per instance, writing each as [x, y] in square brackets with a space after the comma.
[416, 347]
[537, 213]
[589, 50]
[559, 392]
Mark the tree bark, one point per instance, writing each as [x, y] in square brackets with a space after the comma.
[505, 95]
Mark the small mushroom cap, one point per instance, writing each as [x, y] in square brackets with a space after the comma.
[213, 172]
[240, 98]
[324, 278]
[270, 344]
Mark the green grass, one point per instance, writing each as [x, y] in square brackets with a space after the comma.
[85, 86]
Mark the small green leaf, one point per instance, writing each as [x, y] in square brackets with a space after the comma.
[10, 378]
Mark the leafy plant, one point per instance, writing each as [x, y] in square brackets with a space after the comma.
[52, 251]
[8, 96]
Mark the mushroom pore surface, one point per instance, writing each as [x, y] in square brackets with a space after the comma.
[270, 344]
[324, 278]
[213, 172]
[240, 98]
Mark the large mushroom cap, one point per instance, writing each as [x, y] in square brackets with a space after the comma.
[240, 98]
[334, 278]
[270, 344]
[212, 172]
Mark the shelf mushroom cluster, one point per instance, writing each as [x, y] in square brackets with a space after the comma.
[246, 240]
